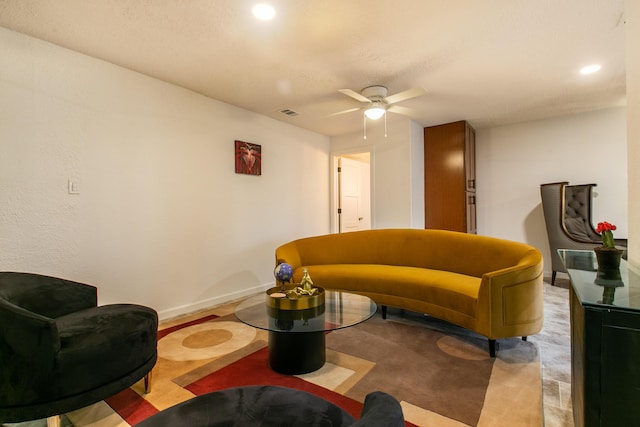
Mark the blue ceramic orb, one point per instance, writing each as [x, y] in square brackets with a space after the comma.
[283, 272]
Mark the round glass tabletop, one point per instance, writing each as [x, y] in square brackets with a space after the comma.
[340, 310]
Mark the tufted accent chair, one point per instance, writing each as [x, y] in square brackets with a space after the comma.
[60, 352]
[567, 214]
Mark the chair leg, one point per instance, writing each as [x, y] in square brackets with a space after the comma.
[553, 277]
[53, 421]
[147, 382]
[384, 311]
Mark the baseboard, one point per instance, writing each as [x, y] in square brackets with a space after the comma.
[212, 302]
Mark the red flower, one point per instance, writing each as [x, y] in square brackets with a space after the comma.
[605, 226]
[606, 231]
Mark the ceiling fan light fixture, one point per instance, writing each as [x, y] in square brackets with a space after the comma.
[374, 112]
[263, 11]
[590, 69]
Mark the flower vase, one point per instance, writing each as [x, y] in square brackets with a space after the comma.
[608, 262]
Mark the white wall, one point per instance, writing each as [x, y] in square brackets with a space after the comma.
[396, 170]
[161, 219]
[632, 26]
[512, 161]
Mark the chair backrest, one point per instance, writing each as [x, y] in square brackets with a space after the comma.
[29, 338]
[27, 334]
[28, 344]
[25, 330]
[45, 295]
[577, 210]
[567, 216]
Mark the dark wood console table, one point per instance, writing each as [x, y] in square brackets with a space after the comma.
[605, 343]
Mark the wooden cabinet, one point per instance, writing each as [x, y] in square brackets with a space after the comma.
[450, 177]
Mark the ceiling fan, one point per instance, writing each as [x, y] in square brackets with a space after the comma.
[377, 103]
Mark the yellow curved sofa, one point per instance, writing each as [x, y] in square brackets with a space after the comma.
[488, 285]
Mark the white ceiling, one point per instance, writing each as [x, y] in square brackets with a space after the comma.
[491, 62]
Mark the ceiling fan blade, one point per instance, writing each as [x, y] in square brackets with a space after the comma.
[407, 94]
[403, 110]
[350, 110]
[355, 95]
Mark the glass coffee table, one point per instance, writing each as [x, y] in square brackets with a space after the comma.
[297, 337]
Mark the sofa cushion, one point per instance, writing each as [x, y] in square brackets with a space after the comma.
[456, 291]
[577, 228]
[91, 340]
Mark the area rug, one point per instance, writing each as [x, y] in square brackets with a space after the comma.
[442, 375]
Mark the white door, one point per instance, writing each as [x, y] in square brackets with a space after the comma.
[354, 207]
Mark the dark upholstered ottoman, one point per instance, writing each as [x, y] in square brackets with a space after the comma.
[274, 406]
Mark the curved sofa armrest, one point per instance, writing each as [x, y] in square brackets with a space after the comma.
[45, 295]
[29, 335]
[290, 254]
[510, 300]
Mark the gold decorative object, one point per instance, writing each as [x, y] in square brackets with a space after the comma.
[306, 283]
[294, 298]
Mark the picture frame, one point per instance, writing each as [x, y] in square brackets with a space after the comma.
[248, 158]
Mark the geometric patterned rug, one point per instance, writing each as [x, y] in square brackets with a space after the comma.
[441, 374]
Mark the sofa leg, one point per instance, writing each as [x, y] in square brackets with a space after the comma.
[492, 348]
[53, 421]
[384, 311]
[147, 382]
[524, 338]
[553, 277]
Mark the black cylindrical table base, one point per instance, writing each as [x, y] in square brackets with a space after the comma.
[293, 353]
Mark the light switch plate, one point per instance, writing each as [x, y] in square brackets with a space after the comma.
[74, 187]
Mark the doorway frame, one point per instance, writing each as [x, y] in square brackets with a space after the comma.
[333, 178]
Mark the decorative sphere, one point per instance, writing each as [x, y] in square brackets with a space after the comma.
[283, 272]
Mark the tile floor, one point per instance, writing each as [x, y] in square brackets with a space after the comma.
[554, 342]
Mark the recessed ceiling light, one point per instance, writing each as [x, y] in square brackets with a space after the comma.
[590, 69]
[263, 11]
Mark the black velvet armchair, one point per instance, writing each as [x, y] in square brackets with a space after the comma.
[60, 352]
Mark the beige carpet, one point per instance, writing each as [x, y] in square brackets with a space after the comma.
[441, 374]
